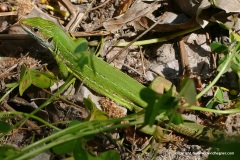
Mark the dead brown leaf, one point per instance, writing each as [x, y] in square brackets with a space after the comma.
[131, 17]
[205, 11]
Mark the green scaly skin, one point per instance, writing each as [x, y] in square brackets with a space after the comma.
[104, 79]
[125, 90]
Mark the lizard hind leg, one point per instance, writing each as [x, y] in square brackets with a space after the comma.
[63, 70]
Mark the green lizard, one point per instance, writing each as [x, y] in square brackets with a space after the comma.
[104, 78]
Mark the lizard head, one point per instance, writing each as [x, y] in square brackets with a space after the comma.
[42, 30]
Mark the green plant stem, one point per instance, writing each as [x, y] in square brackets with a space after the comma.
[229, 111]
[30, 116]
[69, 81]
[73, 132]
[216, 78]
[8, 92]
[157, 40]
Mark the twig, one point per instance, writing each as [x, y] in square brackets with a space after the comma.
[28, 123]
[101, 5]
[126, 47]
[184, 58]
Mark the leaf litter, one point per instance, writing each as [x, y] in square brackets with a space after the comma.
[123, 21]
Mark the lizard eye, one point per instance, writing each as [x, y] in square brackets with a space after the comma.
[50, 39]
[35, 29]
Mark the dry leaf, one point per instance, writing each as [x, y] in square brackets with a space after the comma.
[203, 15]
[135, 13]
[173, 22]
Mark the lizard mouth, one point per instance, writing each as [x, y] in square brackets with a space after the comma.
[35, 32]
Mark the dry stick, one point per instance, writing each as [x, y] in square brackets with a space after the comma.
[65, 100]
[74, 13]
[70, 7]
[8, 70]
[184, 58]
[142, 59]
[126, 47]
[129, 67]
[13, 13]
[214, 57]
[28, 123]
[76, 17]
[101, 5]
[92, 33]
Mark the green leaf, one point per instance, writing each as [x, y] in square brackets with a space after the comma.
[74, 122]
[235, 67]
[25, 81]
[211, 104]
[23, 71]
[82, 53]
[221, 67]
[161, 85]
[12, 85]
[37, 78]
[111, 155]
[188, 91]
[79, 152]
[235, 64]
[218, 47]
[95, 113]
[82, 46]
[219, 95]
[151, 112]
[236, 47]
[236, 36]
[7, 150]
[4, 127]
[236, 59]
[64, 148]
[163, 104]
[83, 59]
[237, 105]
[176, 119]
[41, 79]
[69, 146]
